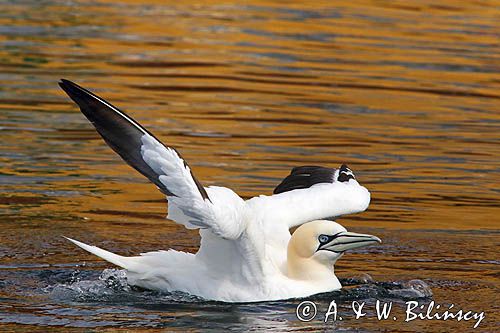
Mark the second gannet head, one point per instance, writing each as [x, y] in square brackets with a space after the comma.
[315, 247]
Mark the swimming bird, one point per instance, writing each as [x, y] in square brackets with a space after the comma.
[246, 250]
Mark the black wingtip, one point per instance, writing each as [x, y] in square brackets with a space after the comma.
[345, 174]
[67, 85]
[64, 84]
[344, 168]
[88, 102]
[74, 91]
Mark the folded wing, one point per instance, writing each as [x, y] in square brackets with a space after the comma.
[189, 203]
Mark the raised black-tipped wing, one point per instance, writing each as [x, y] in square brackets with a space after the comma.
[306, 176]
[122, 133]
[189, 204]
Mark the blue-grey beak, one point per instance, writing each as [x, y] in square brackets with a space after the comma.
[349, 240]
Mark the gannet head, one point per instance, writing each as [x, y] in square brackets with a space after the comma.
[315, 247]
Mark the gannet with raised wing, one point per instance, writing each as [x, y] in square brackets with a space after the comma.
[246, 250]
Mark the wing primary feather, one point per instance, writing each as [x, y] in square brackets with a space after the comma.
[345, 174]
[122, 133]
[305, 177]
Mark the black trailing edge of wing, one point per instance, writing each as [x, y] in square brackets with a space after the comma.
[122, 133]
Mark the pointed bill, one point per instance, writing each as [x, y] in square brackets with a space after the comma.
[348, 241]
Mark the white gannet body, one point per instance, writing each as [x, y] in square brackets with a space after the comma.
[233, 276]
[246, 251]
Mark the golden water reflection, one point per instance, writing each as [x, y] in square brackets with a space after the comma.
[406, 94]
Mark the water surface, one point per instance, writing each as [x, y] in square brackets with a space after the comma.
[406, 94]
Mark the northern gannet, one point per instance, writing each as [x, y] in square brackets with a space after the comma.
[246, 250]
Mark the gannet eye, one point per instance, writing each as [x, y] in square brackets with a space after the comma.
[323, 238]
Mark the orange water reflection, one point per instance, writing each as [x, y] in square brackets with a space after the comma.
[406, 94]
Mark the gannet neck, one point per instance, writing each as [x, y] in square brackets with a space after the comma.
[303, 260]
[307, 269]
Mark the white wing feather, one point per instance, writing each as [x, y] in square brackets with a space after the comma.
[223, 213]
[320, 201]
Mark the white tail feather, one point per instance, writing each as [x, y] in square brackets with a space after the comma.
[123, 262]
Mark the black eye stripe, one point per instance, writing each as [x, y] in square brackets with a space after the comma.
[334, 236]
[330, 238]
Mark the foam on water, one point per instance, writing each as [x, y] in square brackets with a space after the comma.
[111, 286]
